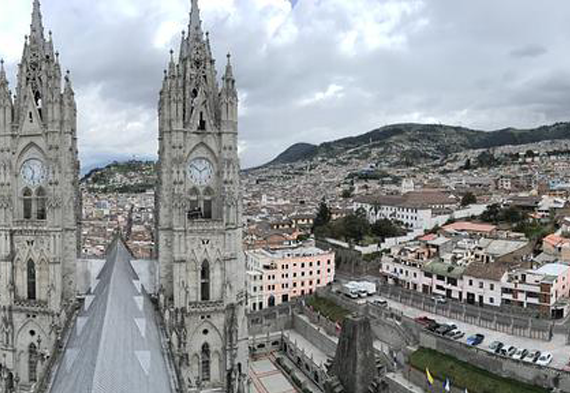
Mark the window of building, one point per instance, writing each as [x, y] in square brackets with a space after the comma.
[202, 123]
[481, 285]
[27, 201]
[33, 363]
[205, 361]
[41, 204]
[491, 300]
[31, 270]
[205, 281]
[492, 287]
[470, 283]
[271, 301]
[208, 204]
[428, 275]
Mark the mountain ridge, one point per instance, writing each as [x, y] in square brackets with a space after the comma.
[421, 141]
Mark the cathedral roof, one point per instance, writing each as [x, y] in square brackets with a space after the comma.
[115, 345]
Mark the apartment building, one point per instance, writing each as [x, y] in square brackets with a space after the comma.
[276, 276]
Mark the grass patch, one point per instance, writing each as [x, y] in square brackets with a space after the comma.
[328, 308]
[465, 375]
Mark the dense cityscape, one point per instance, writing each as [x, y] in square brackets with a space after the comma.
[415, 257]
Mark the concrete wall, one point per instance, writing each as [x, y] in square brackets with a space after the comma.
[271, 320]
[323, 342]
[542, 376]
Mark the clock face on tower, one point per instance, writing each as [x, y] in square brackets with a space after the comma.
[200, 171]
[33, 172]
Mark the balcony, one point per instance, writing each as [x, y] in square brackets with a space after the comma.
[211, 306]
[32, 306]
[204, 225]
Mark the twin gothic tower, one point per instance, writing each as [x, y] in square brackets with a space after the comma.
[199, 225]
[198, 202]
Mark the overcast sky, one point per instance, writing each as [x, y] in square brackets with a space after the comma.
[310, 70]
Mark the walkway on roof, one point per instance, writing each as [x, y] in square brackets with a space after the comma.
[115, 344]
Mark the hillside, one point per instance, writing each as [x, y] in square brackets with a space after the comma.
[128, 177]
[412, 143]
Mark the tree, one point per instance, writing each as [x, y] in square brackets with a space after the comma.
[355, 227]
[385, 228]
[468, 199]
[347, 192]
[323, 215]
[491, 214]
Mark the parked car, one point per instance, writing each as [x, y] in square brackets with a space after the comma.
[496, 346]
[380, 302]
[445, 328]
[532, 356]
[457, 335]
[520, 354]
[475, 339]
[424, 321]
[544, 359]
[433, 326]
[510, 350]
[439, 299]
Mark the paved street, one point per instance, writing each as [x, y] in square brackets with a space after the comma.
[557, 346]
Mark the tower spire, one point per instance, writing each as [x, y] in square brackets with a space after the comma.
[37, 28]
[3, 78]
[195, 27]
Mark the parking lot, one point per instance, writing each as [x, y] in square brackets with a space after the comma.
[557, 346]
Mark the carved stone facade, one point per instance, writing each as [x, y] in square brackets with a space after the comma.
[202, 268]
[39, 210]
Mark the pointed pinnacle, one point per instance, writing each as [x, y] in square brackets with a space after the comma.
[37, 26]
[2, 71]
[195, 22]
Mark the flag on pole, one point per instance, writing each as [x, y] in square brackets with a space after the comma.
[429, 377]
[447, 385]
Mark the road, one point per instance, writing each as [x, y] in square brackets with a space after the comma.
[557, 346]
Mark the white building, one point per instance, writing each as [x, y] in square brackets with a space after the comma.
[416, 210]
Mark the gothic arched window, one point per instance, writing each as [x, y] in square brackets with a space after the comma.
[202, 124]
[27, 202]
[194, 210]
[205, 281]
[31, 270]
[208, 209]
[33, 362]
[41, 204]
[205, 360]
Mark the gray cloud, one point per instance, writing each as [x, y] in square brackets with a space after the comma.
[529, 51]
[313, 72]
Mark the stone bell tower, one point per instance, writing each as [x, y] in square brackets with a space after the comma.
[39, 209]
[202, 269]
